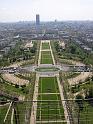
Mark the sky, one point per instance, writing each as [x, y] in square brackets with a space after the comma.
[49, 10]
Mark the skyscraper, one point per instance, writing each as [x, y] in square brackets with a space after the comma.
[37, 20]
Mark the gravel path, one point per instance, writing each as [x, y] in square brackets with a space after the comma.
[15, 80]
[39, 59]
[80, 78]
[63, 101]
[34, 106]
[77, 63]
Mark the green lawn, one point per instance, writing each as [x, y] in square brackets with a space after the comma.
[47, 69]
[48, 85]
[50, 97]
[45, 46]
[21, 108]
[50, 111]
[49, 106]
[3, 110]
[86, 115]
[46, 57]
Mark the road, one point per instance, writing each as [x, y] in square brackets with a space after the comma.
[32, 68]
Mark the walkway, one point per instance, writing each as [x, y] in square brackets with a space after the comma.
[63, 101]
[34, 104]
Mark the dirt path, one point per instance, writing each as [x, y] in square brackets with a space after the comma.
[34, 106]
[80, 78]
[48, 93]
[50, 121]
[15, 80]
[63, 101]
[77, 63]
[39, 59]
[7, 112]
[17, 64]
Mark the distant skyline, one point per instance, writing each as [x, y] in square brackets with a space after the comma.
[49, 10]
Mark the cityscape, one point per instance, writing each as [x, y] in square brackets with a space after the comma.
[46, 71]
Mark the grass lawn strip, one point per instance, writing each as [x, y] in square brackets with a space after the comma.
[49, 106]
[46, 57]
[50, 110]
[45, 46]
[41, 102]
[58, 103]
[47, 69]
[48, 84]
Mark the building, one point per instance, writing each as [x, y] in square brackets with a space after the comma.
[37, 20]
[62, 44]
[29, 45]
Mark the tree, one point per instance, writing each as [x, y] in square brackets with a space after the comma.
[89, 95]
[79, 101]
[16, 86]
[72, 49]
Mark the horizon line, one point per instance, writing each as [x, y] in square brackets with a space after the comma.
[33, 21]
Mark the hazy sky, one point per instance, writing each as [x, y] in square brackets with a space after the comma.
[25, 10]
